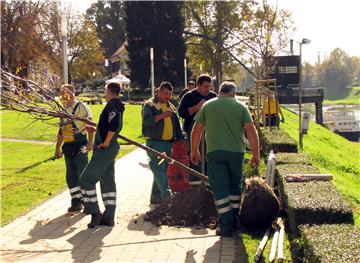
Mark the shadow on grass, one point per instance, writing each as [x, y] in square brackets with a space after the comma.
[52, 158]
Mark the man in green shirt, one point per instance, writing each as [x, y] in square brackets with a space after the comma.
[225, 120]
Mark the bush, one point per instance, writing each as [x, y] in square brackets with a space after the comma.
[277, 140]
[331, 243]
[314, 202]
[293, 158]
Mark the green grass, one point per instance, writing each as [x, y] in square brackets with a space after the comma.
[23, 189]
[353, 97]
[251, 242]
[332, 154]
[33, 180]
[22, 126]
[20, 189]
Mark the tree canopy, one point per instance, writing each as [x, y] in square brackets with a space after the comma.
[158, 25]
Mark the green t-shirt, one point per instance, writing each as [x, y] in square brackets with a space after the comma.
[224, 119]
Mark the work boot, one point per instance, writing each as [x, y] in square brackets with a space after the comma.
[75, 207]
[107, 221]
[95, 220]
[223, 233]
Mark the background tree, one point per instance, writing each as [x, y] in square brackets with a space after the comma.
[23, 26]
[267, 32]
[223, 33]
[85, 54]
[210, 30]
[336, 72]
[158, 25]
[109, 18]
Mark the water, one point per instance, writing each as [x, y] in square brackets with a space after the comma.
[310, 107]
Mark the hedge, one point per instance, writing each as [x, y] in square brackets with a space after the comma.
[292, 158]
[331, 243]
[313, 202]
[277, 140]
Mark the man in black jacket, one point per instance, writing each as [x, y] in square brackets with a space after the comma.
[102, 164]
[190, 104]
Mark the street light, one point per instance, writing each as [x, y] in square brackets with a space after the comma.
[64, 45]
[304, 41]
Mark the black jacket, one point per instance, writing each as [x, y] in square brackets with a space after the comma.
[190, 99]
[111, 119]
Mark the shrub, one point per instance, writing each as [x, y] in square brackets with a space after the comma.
[293, 158]
[277, 140]
[331, 243]
[314, 202]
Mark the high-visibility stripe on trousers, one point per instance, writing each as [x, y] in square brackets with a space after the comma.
[109, 198]
[75, 193]
[74, 167]
[225, 172]
[100, 168]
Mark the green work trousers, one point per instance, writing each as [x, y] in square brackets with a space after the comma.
[160, 190]
[74, 167]
[100, 168]
[193, 180]
[225, 173]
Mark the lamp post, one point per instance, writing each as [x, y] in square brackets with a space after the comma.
[64, 46]
[152, 71]
[304, 41]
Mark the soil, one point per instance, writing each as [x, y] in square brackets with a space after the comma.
[192, 208]
[259, 204]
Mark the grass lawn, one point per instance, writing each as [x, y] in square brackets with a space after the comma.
[22, 126]
[332, 154]
[29, 179]
[33, 180]
[352, 98]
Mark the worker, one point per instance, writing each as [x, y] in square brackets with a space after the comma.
[74, 143]
[224, 120]
[271, 111]
[190, 104]
[191, 86]
[102, 164]
[161, 127]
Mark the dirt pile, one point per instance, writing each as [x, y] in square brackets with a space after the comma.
[259, 204]
[192, 208]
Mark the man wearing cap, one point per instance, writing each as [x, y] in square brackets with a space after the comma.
[102, 164]
[190, 104]
[225, 120]
[73, 143]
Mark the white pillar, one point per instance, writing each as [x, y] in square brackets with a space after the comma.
[64, 46]
[185, 73]
[152, 71]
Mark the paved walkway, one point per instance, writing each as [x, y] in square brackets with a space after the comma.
[46, 234]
